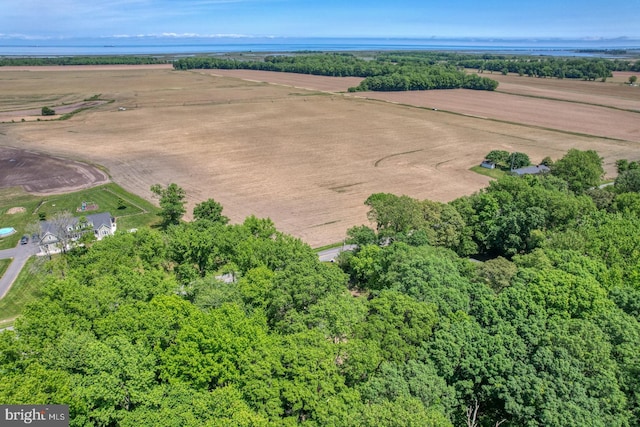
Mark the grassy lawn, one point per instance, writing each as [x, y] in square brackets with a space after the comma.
[4, 264]
[493, 173]
[25, 289]
[331, 246]
[15, 197]
[130, 210]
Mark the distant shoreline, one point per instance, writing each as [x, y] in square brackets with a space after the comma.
[113, 46]
[105, 67]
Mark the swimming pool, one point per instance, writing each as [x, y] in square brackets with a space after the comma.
[7, 231]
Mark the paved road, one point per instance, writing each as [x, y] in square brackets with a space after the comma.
[20, 255]
[330, 254]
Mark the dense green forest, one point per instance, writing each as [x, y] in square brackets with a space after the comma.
[82, 60]
[379, 75]
[211, 323]
[532, 66]
[395, 71]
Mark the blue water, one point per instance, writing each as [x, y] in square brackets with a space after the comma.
[7, 231]
[194, 45]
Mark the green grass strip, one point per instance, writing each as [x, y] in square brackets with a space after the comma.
[492, 173]
[25, 289]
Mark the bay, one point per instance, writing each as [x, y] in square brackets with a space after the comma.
[151, 45]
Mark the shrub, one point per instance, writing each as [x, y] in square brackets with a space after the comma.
[46, 111]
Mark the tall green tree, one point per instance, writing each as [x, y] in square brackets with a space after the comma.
[172, 200]
[518, 160]
[209, 210]
[393, 214]
[197, 246]
[581, 169]
[499, 157]
[628, 181]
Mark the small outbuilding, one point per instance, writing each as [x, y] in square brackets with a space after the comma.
[488, 164]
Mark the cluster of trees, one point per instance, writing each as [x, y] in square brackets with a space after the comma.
[323, 64]
[585, 69]
[393, 71]
[211, 323]
[509, 217]
[82, 60]
[508, 161]
[139, 329]
[426, 78]
[542, 66]
[580, 170]
[379, 75]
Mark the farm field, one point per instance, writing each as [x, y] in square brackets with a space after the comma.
[41, 174]
[573, 115]
[295, 153]
[612, 93]
[305, 81]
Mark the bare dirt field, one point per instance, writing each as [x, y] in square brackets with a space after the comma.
[39, 173]
[612, 93]
[304, 81]
[305, 158]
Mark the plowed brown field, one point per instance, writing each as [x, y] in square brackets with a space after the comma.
[304, 157]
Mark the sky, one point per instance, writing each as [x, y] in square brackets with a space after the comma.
[567, 19]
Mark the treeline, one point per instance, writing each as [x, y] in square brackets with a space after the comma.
[211, 323]
[83, 60]
[379, 75]
[323, 64]
[585, 69]
[398, 71]
[433, 77]
[532, 66]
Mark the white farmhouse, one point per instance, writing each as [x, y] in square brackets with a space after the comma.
[102, 225]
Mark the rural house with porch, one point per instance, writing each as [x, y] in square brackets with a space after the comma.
[53, 234]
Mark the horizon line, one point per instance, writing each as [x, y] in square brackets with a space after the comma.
[282, 37]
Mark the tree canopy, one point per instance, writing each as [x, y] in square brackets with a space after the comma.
[580, 169]
[380, 75]
[209, 210]
[172, 200]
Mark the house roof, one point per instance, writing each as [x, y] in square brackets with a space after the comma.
[96, 220]
[531, 170]
[99, 219]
